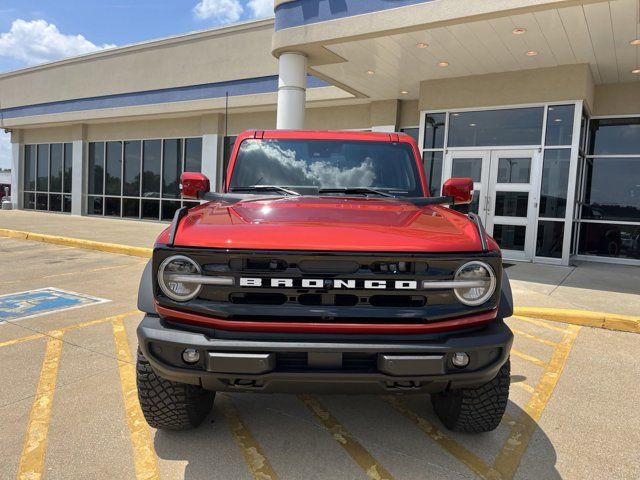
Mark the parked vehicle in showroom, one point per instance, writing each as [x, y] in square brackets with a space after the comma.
[324, 266]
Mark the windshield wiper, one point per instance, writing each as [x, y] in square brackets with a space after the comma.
[265, 188]
[356, 190]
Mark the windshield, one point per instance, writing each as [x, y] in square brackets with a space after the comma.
[315, 165]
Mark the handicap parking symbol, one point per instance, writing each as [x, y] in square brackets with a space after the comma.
[16, 306]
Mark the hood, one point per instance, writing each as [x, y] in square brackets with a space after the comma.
[327, 224]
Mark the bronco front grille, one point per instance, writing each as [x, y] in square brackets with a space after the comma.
[327, 287]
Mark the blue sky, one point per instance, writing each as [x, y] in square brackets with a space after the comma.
[37, 31]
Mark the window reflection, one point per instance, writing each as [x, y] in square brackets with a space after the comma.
[612, 190]
[510, 237]
[96, 167]
[560, 125]
[434, 128]
[433, 171]
[172, 168]
[132, 152]
[550, 239]
[151, 168]
[512, 204]
[467, 168]
[113, 170]
[133, 175]
[615, 136]
[555, 179]
[609, 240]
[514, 170]
[520, 126]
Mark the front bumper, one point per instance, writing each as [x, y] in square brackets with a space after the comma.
[307, 365]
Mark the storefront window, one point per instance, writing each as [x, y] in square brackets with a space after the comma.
[550, 239]
[609, 240]
[433, 171]
[434, 129]
[141, 178]
[555, 180]
[615, 136]
[510, 237]
[520, 126]
[47, 175]
[413, 132]
[609, 215]
[559, 125]
[612, 189]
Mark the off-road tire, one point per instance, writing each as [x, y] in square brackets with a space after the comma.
[170, 405]
[475, 410]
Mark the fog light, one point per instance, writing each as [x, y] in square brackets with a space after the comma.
[190, 356]
[460, 359]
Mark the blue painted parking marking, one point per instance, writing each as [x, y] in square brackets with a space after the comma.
[17, 306]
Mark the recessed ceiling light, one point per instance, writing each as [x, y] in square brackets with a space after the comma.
[404, 92]
[558, 120]
[455, 114]
[422, 45]
[635, 42]
[519, 31]
[472, 124]
[370, 72]
[443, 64]
[531, 53]
[636, 71]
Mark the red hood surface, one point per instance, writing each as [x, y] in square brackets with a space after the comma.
[327, 224]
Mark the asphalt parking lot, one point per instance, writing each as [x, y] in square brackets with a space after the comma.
[69, 408]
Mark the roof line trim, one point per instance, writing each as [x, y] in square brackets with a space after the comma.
[246, 86]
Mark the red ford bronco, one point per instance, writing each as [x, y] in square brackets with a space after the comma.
[325, 266]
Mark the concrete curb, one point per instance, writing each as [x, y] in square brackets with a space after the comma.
[609, 321]
[78, 243]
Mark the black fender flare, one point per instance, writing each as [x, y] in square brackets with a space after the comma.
[146, 301]
[505, 307]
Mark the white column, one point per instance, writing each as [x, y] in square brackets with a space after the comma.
[78, 176]
[17, 150]
[292, 91]
[210, 158]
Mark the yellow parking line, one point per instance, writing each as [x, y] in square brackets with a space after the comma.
[509, 457]
[144, 455]
[533, 337]
[373, 469]
[35, 443]
[468, 458]
[257, 462]
[542, 323]
[21, 340]
[66, 329]
[529, 358]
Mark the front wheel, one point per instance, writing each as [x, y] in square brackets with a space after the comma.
[170, 405]
[475, 410]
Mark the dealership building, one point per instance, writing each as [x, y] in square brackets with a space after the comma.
[537, 100]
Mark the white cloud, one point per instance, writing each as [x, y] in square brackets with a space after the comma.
[5, 149]
[261, 8]
[38, 41]
[223, 11]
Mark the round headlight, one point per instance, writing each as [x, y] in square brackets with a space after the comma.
[173, 278]
[477, 283]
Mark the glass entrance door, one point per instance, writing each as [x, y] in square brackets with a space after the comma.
[504, 194]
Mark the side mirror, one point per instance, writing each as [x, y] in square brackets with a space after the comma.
[192, 183]
[460, 189]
